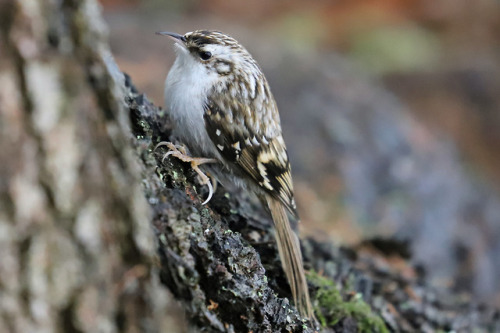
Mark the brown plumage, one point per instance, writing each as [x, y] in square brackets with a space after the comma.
[223, 109]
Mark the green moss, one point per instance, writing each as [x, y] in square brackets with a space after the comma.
[330, 307]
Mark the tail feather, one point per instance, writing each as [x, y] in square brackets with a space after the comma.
[291, 257]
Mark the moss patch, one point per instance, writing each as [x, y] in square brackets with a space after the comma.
[331, 307]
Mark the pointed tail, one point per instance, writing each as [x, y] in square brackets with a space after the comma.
[291, 257]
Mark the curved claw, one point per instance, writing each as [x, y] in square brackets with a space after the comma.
[210, 193]
[166, 155]
[163, 143]
[180, 153]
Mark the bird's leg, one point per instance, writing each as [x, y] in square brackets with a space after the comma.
[180, 153]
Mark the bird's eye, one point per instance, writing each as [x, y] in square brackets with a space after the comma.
[205, 55]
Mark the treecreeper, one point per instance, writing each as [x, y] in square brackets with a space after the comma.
[222, 108]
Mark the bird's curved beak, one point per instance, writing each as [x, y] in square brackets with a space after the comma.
[172, 35]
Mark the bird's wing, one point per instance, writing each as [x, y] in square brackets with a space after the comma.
[244, 139]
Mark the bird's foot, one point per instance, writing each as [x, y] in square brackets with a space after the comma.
[179, 152]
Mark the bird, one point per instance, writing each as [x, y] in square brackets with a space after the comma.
[222, 109]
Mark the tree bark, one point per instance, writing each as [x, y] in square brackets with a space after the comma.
[94, 224]
[75, 239]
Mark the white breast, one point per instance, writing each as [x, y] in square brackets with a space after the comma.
[186, 89]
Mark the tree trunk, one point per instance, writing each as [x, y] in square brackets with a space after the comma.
[75, 238]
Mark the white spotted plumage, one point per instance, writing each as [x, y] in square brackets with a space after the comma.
[223, 109]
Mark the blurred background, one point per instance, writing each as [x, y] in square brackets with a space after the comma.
[390, 110]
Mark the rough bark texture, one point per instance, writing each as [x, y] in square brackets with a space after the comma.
[77, 251]
[75, 239]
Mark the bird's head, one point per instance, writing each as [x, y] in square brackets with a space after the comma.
[219, 53]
